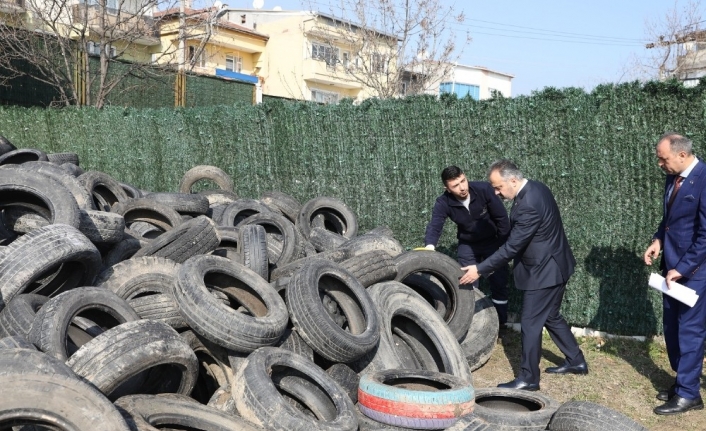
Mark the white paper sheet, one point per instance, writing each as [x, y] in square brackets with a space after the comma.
[678, 291]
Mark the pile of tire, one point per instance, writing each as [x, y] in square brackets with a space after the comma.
[201, 310]
[124, 309]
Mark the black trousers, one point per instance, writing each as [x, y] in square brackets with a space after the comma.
[475, 253]
[540, 308]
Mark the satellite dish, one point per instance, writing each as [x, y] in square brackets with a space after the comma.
[258, 4]
[277, 8]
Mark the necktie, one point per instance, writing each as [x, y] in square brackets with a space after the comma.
[677, 184]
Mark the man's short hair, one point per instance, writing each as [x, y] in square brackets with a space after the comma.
[506, 168]
[677, 143]
[450, 172]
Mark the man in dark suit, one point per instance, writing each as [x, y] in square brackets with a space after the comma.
[543, 263]
[682, 237]
[481, 227]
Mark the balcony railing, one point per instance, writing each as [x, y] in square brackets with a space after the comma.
[128, 23]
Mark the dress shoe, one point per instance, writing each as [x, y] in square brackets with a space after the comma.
[581, 368]
[667, 394]
[679, 405]
[520, 384]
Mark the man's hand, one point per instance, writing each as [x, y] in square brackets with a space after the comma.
[470, 276]
[672, 275]
[652, 251]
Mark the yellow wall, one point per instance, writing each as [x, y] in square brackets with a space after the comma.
[288, 69]
[223, 42]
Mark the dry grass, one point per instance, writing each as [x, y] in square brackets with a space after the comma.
[624, 375]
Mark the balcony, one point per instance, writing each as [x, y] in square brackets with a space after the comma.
[136, 28]
[318, 71]
[12, 6]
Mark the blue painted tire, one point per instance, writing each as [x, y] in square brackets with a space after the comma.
[458, 391]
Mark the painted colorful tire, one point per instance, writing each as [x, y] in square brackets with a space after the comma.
[415, 398]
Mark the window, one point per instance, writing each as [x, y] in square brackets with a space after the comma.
[197, 60]
[378, 63]
[327, 53]
[461, 90]
[94, 48]
[234, 63]
[324, 97]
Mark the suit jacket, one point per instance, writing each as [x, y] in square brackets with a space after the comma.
[683, 227]
[537, 242]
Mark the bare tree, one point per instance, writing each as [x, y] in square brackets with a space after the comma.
[393, 47]
[61, 40]
[675, 39]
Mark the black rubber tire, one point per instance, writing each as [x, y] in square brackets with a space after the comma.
[40, 193]
[222, 400]
[479, 342]
[514, 409]
[5, 145]
[286, 271]
[284, 244]
[404, 312]
[471, 423]
[460, 303]
[325, 240]
[131, 191]
[61, 158]
[328, 207]
[194, 237]
[183, 203]
[83, 198]
[47, 261]
[293, 342]
[105, 190]
[171, 412]
[369, 242]
[140, 276]
[259, 401]
[50, 328]
[161, 307]
[16, 342]
[23, 155]
[236, 212]
[228, 245]
[262, 324]
[122, 250]
[205, 172]
[149, 211]
[588, 416]
[17, 316]
[252, 245]
[218, 197]
[214, 367]
[371, 267]
[114, 357]
[21, 220]
[320, 279]
[30, 375]
[72, 169]
[347, 378]
[101, 227]
[287, 204]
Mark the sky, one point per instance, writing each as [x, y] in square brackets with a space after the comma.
[544, 43]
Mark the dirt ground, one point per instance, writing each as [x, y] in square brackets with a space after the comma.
[624, 374]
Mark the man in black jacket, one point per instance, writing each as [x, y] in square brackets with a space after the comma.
[542, 264]
[482, 226]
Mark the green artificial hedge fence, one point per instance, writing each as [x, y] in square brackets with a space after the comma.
[383, 158]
